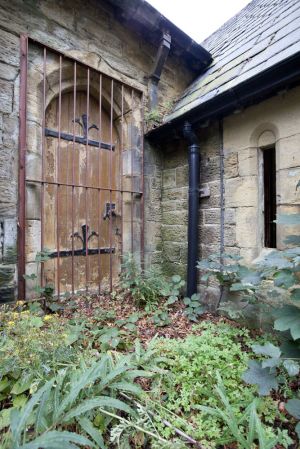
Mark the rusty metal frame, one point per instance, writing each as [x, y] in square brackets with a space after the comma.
[118, 190]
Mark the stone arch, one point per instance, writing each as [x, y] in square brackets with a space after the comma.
[264, 134]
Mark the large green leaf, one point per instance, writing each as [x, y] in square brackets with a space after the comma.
[295, 294]
[289, 319]
[99, 402]
[57, 440]
[284, 278]
[19, 419]
[262, 377]
[268, 349]
[293, 407]
[92, 431]
[292, 367]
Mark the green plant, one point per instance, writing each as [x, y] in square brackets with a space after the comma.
[192, 365]
[193, 308]
[246, 429]
[148, 287]
[161, 318]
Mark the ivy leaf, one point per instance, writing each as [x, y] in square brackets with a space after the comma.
[256, 375]
[284, 278]
[268, 349]
[271, 363]
[289, 320]
[293, 407]
[292, 367]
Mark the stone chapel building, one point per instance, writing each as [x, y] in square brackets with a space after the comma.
[120, 134]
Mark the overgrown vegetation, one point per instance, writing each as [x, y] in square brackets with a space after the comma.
[74, 376]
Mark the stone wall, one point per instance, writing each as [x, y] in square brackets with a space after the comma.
[273, 122]
[90, 32]
[175, 204]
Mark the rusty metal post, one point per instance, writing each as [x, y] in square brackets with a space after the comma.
[22, 161]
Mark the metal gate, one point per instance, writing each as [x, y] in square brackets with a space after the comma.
[80, 174]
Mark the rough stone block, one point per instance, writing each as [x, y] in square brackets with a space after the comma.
[209, 234]
[288, 152]
[209, 169]
[212, 216]
[8, 72]
[33, 239]
[8, 164]
[229, 216]
[175, 217]
[182, 176]
[9, 232]
[230, 236]
[286, 181]
[9, 48]
[249, 254]
[8, 195]
[231, 165]
[248, 162]
[10, 131]
[241, 192]
[169, 178]
[174, 233]
[247, 227]
[6, 96]
[33, 202]
[174, 194]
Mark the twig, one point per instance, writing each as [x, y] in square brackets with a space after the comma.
[168, 424]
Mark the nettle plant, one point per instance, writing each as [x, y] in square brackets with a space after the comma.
[149, 286]
[275, 282]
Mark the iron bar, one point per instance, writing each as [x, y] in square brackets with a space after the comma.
[36, 181]
[73, 169]
[57, 176]
[122, 168]
[86, 176]
[110, 182]
[78, 139]
[99, 177]
[131, 171]
[42, 189]
[142, 187]
[22, 160]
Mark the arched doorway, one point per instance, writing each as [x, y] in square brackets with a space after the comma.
[83, 185]
[82, 180]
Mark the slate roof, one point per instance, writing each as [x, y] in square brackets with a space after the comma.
[263, 34]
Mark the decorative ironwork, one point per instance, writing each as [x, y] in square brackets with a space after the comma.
[80, 139]
[85, 251]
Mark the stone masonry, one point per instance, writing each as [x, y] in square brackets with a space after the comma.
[90, 32]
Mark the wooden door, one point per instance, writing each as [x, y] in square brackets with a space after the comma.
[81, 213]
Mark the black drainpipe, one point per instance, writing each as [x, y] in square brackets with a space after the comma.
[194, 181]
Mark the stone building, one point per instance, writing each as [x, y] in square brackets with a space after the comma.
[94, 97]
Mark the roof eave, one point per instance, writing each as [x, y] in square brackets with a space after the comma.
[145, 20]
[283, 75]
